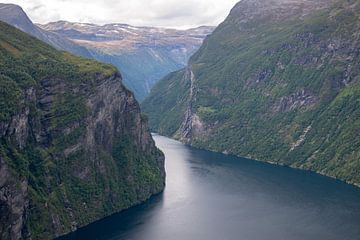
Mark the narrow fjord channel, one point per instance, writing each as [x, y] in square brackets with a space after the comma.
[211, 196]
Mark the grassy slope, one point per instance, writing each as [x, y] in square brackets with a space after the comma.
[56, 193]
[238, 111]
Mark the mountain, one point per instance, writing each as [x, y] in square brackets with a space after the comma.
[15, 16]
[143, 54]
[277, 81]
[74, 146]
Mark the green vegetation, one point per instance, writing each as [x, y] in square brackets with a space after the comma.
[9, 97]
[70, 182]
[168, 104]
[281, 91]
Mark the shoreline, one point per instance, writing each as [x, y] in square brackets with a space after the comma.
[355, 184]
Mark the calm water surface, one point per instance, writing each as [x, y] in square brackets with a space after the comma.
[211, 196]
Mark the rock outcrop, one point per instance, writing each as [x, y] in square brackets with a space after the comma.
[13, 204]
[15, 16]
[74, 146]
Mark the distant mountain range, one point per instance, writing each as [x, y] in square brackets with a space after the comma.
[142, 54]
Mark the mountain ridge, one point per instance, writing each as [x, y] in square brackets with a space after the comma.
[277, 84]
[156, 51]
[142, 60]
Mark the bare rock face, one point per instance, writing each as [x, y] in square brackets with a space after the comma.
[115, 111]
[299, 99]
[187, 125]
[13, 204]
[74, 147]
[112, 116]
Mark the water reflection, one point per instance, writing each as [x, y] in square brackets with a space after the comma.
[211, 196]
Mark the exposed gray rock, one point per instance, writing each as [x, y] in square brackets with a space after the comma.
[301, 98]
[13, 204]
[186, 127]
[260, 76]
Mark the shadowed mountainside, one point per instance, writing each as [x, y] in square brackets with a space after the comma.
[277, 81]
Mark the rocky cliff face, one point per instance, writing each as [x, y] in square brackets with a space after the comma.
[277, 81]
[74, 146]
[13, 204]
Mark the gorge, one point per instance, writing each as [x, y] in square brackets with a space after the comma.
[256, 123]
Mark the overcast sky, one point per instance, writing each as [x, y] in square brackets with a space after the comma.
[162, 13]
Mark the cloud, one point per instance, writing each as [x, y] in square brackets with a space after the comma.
[161, 13]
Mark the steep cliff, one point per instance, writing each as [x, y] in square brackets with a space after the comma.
[277, 81]
[74, 146]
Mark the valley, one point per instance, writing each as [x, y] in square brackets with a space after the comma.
[247, 130]
[142, 54]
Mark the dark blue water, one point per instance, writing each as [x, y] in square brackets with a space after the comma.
[212, 196]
